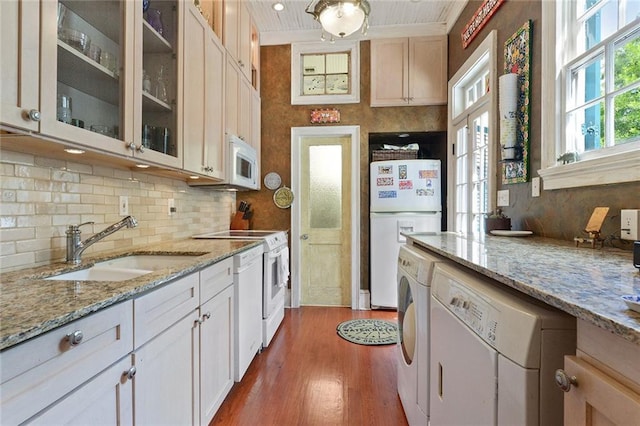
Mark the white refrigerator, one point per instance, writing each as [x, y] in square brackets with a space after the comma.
[405, 197]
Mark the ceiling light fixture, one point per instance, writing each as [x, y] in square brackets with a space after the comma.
[142, 166]
[278, 7]
[341, 18]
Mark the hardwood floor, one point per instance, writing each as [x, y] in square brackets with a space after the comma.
[310, 376]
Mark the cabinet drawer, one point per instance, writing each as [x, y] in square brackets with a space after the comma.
[40, 371]
[159, 309]
[215, 278]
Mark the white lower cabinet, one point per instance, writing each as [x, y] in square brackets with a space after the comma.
[216, 337]
[41, 373]
[165, 384]
[166, 357]
[105, 399]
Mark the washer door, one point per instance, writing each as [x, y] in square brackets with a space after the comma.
[407, 325]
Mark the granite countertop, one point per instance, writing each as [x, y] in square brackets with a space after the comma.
[30, 305]
[584, 282]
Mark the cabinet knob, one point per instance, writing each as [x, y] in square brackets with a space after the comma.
[75, 338]
[207, 315]
[304, 236]
[130, 372]
[34, 115]
[140, 148]
[564, 381]
[241, 64]
[131, 146]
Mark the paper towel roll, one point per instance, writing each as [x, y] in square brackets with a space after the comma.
[508, 93]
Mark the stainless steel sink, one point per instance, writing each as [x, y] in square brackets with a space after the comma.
[96, 273]
[150, 262]
[124, 268]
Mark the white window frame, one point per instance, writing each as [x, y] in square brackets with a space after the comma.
[615, 164]
[460, 115]
[299, 49]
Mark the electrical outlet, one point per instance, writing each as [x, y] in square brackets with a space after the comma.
[503, 198]
[535, 186]
[123, 204]
[629, 224]
[171, 206]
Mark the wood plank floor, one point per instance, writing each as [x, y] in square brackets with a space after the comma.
[310, 376]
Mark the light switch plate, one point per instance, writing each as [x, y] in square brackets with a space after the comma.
[503, 198]
[535, 186]
[629, 224]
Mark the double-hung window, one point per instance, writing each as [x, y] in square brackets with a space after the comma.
[591, 68]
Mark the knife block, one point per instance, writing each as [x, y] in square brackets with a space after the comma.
[238, 223]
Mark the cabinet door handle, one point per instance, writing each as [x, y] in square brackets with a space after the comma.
[140, 148]
[564, 381]
[75, 338]
[241, 64]
[130, 373]
[34, 115]
[207, 315]
[131, 146]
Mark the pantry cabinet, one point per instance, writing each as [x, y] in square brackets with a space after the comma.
[20, 65]
[604, 379]
[203, 101]
[409, 71]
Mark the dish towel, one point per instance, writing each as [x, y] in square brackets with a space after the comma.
[284, 266]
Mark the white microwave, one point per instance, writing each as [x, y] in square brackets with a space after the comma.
[242, 165]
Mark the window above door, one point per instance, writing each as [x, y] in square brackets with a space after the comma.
[325, 74]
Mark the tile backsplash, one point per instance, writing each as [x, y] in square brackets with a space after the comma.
[42, 196]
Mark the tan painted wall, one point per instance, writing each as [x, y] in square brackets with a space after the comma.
[561, 214]
[279, 116]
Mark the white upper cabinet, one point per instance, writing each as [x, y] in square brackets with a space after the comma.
[19, 68]
[237, 35]
[203, 126]
[409, 71]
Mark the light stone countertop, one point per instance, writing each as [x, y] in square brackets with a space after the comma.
[30, 305]
[584, 282]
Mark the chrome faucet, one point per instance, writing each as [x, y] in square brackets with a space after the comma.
[75, 247]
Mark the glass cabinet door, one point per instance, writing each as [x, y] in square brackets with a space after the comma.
[156, 82]
[84, 67]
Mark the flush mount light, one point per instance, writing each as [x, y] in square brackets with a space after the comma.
[142, 166]
[74, 151]
[278, 7]
[194, 177]
[403, 135]
[341, 18]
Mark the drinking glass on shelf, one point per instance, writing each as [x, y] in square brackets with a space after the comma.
[161, 85]
[94, 53]
[64, 109]
[109, 61]
[148, 135]
[146, 82]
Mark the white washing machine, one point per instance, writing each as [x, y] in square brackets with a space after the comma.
[494, 353]
[415, 268]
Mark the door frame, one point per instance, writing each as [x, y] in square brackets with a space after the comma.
[297, 133]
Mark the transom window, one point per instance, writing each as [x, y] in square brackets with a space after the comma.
[325, 73]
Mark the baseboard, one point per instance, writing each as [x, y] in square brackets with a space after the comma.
[364, 300]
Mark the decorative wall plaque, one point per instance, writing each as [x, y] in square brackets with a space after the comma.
[479, 20]
[329, 115]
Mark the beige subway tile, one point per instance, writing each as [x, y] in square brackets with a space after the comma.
[103, 171]
[95, 218]
[92, 180]
[51, 208]
[51, 163]
[33, 197]
[9, 221]
[79, 168]
[32, 172]
[7, 169]
[103, 190]
[8, 196]
[82, 209]
[16, 157]
[92, 199]
[16, 183]
[79, 188]
[67, 198]
[17, 261]
[48, 185]
[25, 246]
[34, 220]
[121, 174]
[7, 248]
[65, 176]
[16, 234]
[50, 256]
[12, 209]
[65, 219]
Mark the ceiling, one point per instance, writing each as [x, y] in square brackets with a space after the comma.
[388, 18]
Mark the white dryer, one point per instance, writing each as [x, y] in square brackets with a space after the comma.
[494, 353]
[415, 268]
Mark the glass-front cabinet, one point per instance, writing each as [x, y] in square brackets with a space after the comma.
[156, 80]
[108, 76]
[86, 57]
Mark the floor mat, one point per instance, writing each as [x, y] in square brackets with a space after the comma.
[369, 331]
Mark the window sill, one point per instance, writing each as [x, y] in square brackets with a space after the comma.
[617, 168]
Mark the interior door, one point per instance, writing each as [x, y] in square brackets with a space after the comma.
[325, 231]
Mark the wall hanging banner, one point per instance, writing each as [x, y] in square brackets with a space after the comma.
[479, 20]
[517, 59]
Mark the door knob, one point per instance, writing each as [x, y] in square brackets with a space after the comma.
[304, 236]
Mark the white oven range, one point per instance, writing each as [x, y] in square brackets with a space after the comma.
[275, 273]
